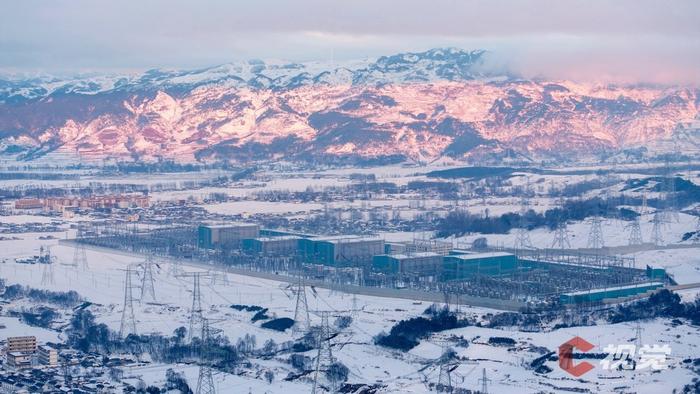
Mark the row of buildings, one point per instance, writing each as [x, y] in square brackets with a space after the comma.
[22, 352]
[435, 261]
[336, 251]
[61, 204]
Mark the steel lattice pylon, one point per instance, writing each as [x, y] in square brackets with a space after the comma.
[561, 237]
[595, 237]
[561, 233]
[657, 229]
[522, 237]
[47, 275]
[638, 335]
[148, 290]
[484, 382]
[205, 381]
[196, 315]
[445, 374]
[79, 255]
[128, 323]
[302, 321]
[354, 313]
[635, 230]
[324, 356]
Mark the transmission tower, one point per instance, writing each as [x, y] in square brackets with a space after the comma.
[302, 321]
[561, 233]
[205, 381]
[79, 256]
[355, 310]
[484, 382]
[635, 230]
[522, 236]
[175, 267]
[638, 335]
[671, 203]
[697, 230]
[196, 315]
[445, 375]
[128, 324]
[324, 356]
[595, 236]
[657, 229]
[148, 290]
[645, 205]
[561, 237]
[217, 275]
[47, 275]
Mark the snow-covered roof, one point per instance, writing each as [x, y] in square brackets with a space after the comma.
[477, 256]
[650, 284]
[403, 256]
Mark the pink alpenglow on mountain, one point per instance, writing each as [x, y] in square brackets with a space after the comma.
[416, 106]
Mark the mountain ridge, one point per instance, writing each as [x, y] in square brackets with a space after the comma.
[415, 106]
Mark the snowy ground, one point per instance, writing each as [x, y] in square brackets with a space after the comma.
[400, 372]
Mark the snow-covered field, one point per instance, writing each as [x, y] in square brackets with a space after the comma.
[397, 372]
[103, 283]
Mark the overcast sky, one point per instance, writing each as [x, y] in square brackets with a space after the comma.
[626, 40]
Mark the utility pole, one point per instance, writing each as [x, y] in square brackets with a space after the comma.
[128, 323]
[324, 356]
[147, 281]
[302, 321]
[697, 230]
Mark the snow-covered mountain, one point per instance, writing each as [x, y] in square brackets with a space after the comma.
[420, 106]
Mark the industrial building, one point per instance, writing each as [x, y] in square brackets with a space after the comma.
[233, 234]
[464, 266]
[429, 245]
[344, 250]
[395, 248]
[517, 275]
[418, 264]
[281, 245]
[599, 295]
